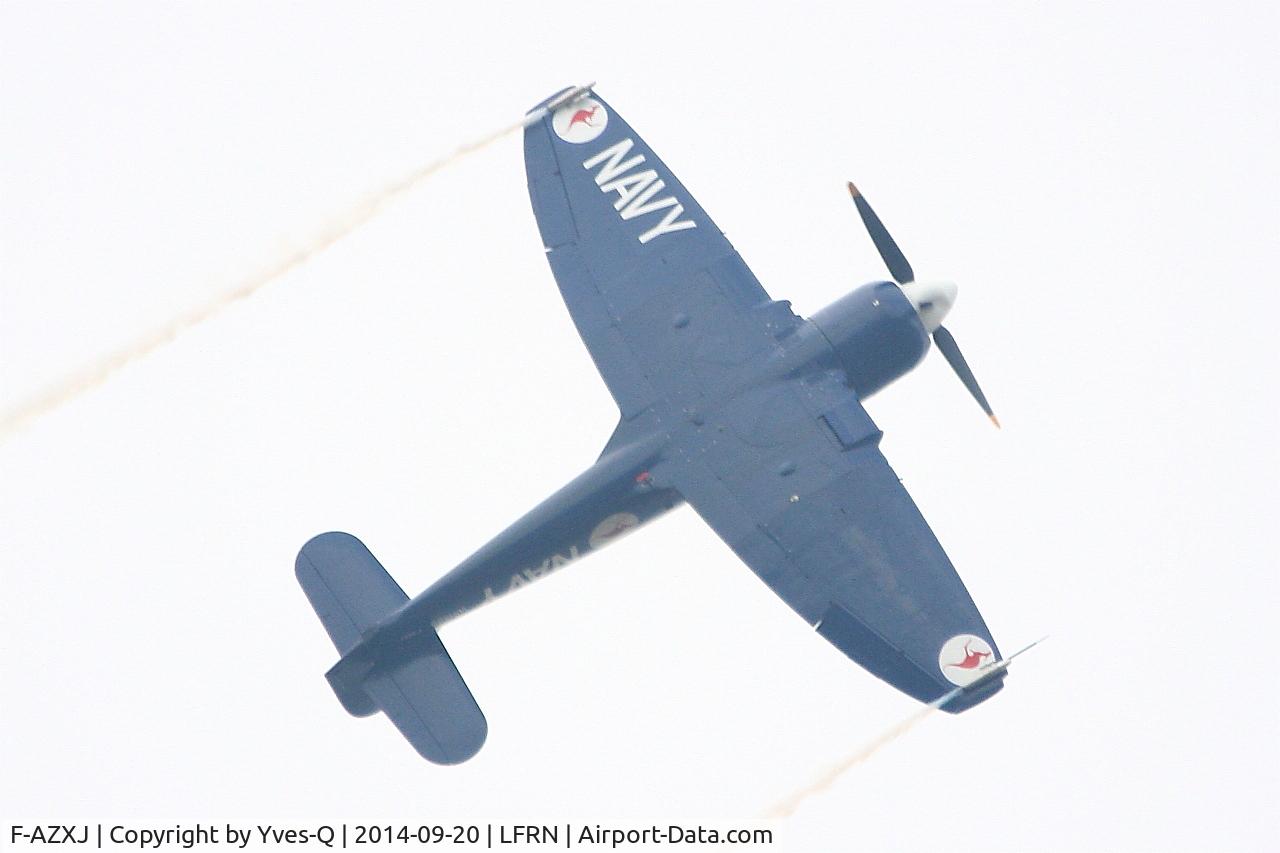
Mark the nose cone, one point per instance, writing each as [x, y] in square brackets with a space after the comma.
[932, 300]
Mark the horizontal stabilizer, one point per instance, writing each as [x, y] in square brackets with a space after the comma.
[431, 705]
[347, 586]
[407, 675]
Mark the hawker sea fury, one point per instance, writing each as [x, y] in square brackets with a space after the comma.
[730, 403]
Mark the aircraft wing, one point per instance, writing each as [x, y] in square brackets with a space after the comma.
[792, 479]
[664, 304]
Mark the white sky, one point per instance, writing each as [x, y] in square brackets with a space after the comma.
[1101, 180]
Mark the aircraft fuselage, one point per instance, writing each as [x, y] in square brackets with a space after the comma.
[872, 336]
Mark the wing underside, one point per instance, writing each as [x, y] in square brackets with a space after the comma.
[810, 504]
[652, 284]
[788, 474]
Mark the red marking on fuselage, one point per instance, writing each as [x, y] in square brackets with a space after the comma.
[584, 116]
[972, 659]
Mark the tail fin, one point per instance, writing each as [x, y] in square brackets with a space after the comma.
[414, 681]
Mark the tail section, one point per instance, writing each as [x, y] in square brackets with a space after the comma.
[408, 676]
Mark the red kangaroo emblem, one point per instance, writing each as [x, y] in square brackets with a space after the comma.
[584, 116]
[971, 658]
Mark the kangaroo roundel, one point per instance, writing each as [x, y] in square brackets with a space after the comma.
[618, 524]
[963, 658]
[580, 121]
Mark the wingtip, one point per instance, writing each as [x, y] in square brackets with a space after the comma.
[995, 421]
[567, 96]
[853, 190]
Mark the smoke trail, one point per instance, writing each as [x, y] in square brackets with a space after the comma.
[788, 806]
[364, 210]
[988, 672]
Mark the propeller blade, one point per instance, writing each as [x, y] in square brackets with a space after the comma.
[951, 352]
[889, 251]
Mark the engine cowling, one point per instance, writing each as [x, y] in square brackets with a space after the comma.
[876, 333]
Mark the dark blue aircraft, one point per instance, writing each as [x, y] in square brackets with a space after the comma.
[731, 403]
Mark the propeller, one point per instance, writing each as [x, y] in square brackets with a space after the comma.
[950, 350]
[932, 301]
